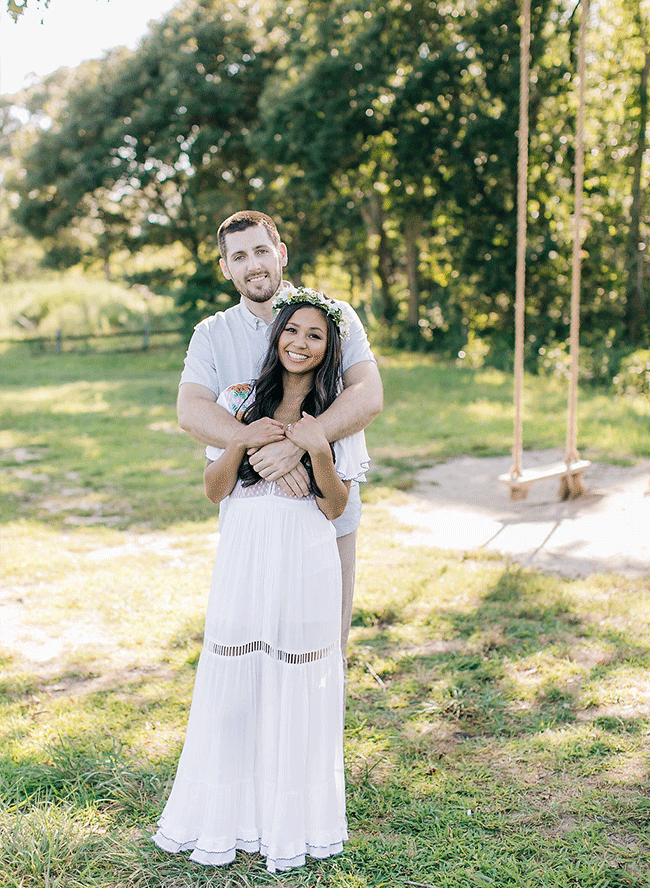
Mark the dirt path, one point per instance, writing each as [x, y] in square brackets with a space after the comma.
[459, 505]
[462, 505]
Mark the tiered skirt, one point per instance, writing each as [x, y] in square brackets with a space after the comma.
[262, 765]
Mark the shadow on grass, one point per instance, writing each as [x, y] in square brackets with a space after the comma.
[522, 661]
[476, 749]
[496, 725]
[519, 663]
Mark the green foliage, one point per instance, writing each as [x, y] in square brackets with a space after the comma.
[75, 304]
[599, 364]
[201, 296]
[633, 376]
[151, 141]
[383, 133]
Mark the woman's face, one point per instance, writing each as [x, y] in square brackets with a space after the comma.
[303, 342]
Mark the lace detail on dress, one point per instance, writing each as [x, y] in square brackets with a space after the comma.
[240, 650]
[263, 488]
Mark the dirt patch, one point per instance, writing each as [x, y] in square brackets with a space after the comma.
[462, 505]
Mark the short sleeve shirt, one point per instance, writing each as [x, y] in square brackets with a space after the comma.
[229, 347]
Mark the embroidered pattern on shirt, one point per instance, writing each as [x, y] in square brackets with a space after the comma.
[237, 395]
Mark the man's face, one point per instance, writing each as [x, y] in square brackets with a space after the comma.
[253, 263]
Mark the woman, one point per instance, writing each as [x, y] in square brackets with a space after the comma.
[262, 765]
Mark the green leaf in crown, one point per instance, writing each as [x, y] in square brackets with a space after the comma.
[290, 295]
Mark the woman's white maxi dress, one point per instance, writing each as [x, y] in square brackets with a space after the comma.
[262, 764]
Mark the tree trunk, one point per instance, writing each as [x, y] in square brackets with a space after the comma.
[412, 231]
[635, 266]
[373, 216]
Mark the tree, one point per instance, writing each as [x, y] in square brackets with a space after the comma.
[16, 8]
[409, 111]
[152, 141]
[636, 298]
[19, 255]
[379, 132]
[342, 112]
[615, 312]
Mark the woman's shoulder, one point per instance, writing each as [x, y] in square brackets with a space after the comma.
[234, 396]
[241, 390]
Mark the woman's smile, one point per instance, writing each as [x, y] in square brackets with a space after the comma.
[303, 342]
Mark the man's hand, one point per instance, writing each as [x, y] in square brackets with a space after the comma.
[259, 433]
[296, 482]
[281, 462]
[275, 460]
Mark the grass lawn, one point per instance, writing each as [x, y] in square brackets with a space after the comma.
[498, 720]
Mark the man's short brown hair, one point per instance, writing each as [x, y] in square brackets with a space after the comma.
[242, 220]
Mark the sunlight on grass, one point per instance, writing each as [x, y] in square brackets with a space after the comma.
[471, 705]
[80, 397]
[498, 720]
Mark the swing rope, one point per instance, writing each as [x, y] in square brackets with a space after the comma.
[572, 455]
[569, 472]
[522, 201]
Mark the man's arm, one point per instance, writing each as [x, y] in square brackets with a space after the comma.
[354, 409]
[361, 400]
[201, 417]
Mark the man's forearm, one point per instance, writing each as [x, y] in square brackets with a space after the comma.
[201, 417]
[358, 404]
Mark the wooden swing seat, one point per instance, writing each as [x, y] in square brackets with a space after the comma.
[571, 473]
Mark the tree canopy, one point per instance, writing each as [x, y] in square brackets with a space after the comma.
[383, 136]
[16, 8]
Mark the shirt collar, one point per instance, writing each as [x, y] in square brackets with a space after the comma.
[251, 319]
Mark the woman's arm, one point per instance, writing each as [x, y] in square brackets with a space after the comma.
[220, 476]
[308, 435]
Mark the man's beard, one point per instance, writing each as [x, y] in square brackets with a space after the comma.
[261, 296]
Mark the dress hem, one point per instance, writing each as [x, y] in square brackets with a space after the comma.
[227, 856]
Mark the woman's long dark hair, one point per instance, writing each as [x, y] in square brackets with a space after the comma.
[269, 390]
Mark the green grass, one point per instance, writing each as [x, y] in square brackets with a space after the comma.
[76, 304]
[435, 411]
[498, 720]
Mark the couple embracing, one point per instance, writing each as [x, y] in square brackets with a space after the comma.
[279, 388]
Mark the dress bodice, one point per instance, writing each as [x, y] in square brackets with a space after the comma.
[263, 488]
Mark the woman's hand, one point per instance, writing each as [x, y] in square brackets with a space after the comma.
[308, 434]
[262, 431]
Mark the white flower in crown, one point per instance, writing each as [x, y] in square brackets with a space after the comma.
[290, 295]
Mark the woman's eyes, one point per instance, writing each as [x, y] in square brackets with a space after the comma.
[290, 329]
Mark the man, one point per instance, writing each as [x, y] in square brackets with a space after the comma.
[228, 348]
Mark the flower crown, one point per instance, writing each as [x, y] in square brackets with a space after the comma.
[290, 295]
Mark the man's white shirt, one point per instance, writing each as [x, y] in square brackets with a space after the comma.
[229, 347]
